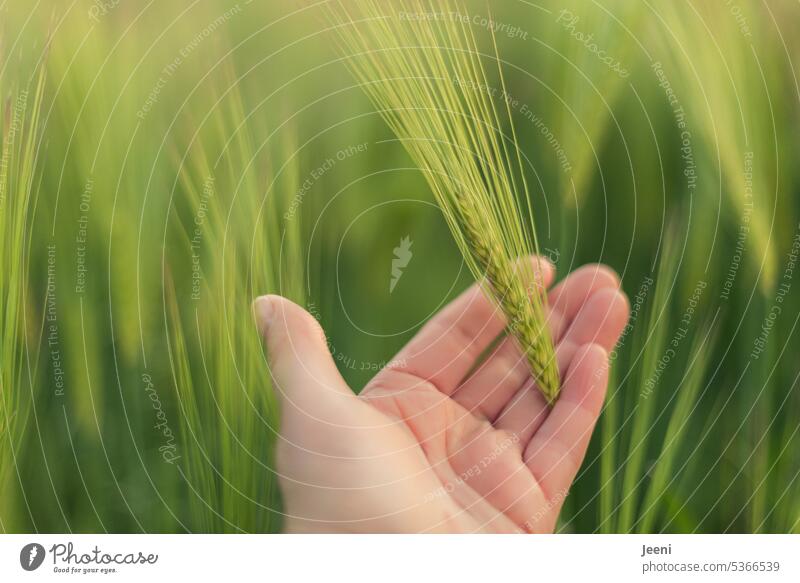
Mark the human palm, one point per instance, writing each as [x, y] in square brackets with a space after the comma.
[436, 442]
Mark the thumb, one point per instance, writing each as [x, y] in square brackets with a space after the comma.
[303, 372]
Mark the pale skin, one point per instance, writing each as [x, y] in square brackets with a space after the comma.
[434, 443]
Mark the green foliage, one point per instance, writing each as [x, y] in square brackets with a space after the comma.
[19, 131]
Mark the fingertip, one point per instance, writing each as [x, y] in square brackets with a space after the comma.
[615, 300]
[601, 320]
[594, 353]
[589, 356]
[545, 267]
[606, 274]
[588, 372]
[279, 319]
[624, 305]
[617, 312]
[263, 311]
[569, 296]
[298, 357]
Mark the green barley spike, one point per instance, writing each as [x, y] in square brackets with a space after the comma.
[427, 79]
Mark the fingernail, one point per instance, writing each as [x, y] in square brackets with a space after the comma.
[263, 312]
[602, 350]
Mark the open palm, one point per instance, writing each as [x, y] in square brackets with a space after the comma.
[435, 443]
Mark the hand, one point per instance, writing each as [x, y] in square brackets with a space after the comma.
[431, 445]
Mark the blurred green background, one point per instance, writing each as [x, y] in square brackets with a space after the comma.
[193, 155]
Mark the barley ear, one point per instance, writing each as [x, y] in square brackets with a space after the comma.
[525, 315]
[427, 78]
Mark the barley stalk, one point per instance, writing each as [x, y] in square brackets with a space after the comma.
[524, 322]
[216, 358]
[19, 135]
[420, 64]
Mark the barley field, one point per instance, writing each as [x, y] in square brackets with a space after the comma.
[165, 163]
